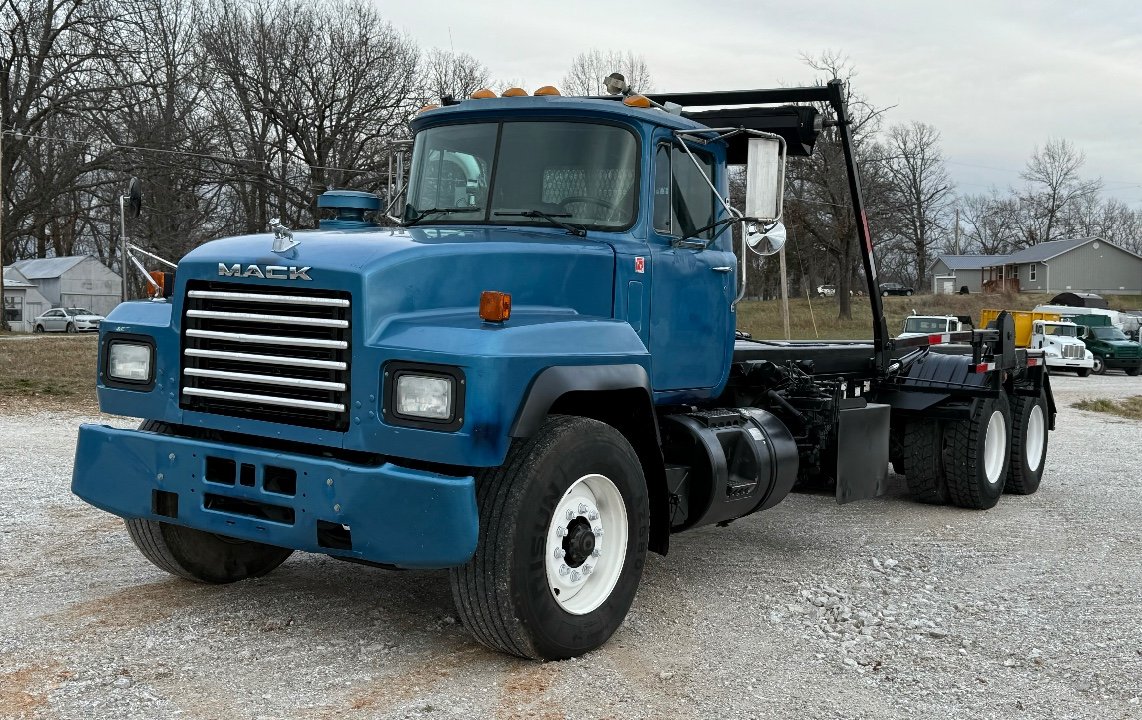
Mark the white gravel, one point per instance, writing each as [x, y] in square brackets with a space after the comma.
[880, 609]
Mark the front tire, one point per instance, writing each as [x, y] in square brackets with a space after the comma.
[1099, 365]
[977, 453]
[71, 328]
[1083, 372]
[908, 293]
[38, 329]
[201, 556]
[570, 498]
[1028, 444]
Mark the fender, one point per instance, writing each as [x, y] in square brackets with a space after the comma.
[553, 382]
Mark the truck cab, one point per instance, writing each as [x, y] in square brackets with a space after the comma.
[919, 325]
[1061, 345]
[533, 377]
[1111, 347]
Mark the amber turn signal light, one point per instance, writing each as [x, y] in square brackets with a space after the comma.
[159, 278]
[495, 306]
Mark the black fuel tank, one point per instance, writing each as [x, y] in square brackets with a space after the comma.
[726, 463]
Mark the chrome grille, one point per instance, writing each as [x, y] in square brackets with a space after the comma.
[1073, 351]
[275, 354]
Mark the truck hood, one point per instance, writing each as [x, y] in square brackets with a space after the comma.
[402, 271]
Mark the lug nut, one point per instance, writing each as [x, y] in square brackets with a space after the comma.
[563, 570]
[592, 516]
[586, 570]
[560, 553]
[596, 553]
[570, 514]
[598, 532]
[582, 509]
[575, 576]
[561, 531]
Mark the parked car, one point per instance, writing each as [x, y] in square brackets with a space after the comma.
[827, 290]
[887, 289]
[68, 320]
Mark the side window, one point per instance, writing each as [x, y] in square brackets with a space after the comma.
[683, 201]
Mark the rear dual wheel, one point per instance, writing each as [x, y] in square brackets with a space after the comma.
[1028, 443]
[977, 453]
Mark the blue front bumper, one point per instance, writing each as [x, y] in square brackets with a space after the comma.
[395, 515]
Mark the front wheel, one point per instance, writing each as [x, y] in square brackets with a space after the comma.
[1099, 365]
[71, 328]
[1083, 372]
[884, 293]
[908, 293]
[38, 329]
[201, 556]
[564, 525]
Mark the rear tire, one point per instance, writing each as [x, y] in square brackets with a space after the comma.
[201, 556]
[977, 453]
[1028, 444]
[513, 595]
[1133, 371]
[922, 461]
[908, 293]
[38, 329]
[71, 328]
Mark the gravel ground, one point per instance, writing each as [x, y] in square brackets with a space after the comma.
[880, 609]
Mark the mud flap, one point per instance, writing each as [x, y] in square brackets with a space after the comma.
[860, 451]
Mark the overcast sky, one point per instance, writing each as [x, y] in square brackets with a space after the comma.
[996, 78]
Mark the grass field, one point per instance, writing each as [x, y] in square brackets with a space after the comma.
[763, 319]
[48, 371]
[1130, 407]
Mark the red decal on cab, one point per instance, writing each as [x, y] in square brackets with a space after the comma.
[640, 265]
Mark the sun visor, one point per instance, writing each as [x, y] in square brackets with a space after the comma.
[797, 124]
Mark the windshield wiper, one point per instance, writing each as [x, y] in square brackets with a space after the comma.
[440, 211]
[553, 219]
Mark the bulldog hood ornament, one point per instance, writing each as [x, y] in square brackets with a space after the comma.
[283, 237]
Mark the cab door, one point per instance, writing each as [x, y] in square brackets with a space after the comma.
[691, 327]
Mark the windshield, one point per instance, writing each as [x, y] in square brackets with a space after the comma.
[581, 173]
[1107, 333]
[1061, 330]
[77, 311]
[926, 325]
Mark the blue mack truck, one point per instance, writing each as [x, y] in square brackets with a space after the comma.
[534, 377]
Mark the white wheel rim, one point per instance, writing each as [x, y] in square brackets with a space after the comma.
[1036, 436]
[995, 447]
[582, 581]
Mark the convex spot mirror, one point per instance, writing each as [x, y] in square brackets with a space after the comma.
[766, 240]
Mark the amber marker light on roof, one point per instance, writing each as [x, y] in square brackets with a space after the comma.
[639, 101]
[547, 90]
[426, 108]
[483, 94]
[514, 92]
[495, 306]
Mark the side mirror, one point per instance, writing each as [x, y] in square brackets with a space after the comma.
[135, 197]
[764, 241]
[765, 178]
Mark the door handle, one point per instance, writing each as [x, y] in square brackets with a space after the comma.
[722, 268]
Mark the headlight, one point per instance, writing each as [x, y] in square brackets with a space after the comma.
[424, 396]
[421, 395]
[129, 362]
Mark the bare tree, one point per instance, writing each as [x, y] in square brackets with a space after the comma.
[589, 69]
[1054, 185]
[990, 223]
[919, 190]
[818, 207]
[457, 75]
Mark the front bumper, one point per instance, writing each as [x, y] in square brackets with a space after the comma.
[395, 515]
[1055, 361]
[1122, 363]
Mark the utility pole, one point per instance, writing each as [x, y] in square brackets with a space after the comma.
[956, 246]
[784, 293]
[3, 303]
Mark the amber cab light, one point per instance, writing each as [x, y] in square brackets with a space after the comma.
[547, 90]
[495, 306]
[483, 94]
[639, 101]
[514, 92]
[159, 278]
